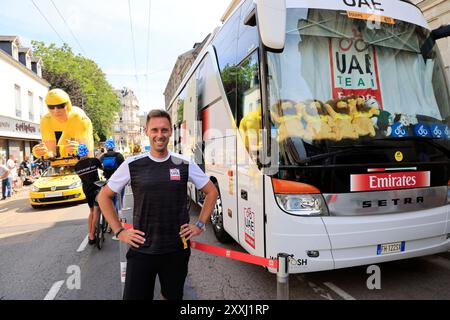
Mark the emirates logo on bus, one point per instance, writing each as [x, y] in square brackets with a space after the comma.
[389, 181]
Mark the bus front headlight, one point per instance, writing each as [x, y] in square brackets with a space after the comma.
[302, 204]
[299, 198]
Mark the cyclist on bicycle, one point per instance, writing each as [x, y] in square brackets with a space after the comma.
[112, 160]
[87, 170]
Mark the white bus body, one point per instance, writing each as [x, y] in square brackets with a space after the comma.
[344, 193]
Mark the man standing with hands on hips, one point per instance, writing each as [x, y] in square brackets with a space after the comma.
[160, 238]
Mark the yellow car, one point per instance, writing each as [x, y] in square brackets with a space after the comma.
[59, 184]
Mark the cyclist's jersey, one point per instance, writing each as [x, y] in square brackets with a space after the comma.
[78, 127]
[111, 161]
[87, 170]
[159, 193]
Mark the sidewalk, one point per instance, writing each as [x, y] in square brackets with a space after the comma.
[20, 192]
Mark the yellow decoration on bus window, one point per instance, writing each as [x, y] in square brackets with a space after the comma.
[347, 118]
[249, 128]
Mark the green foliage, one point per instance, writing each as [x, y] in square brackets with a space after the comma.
[84, 81]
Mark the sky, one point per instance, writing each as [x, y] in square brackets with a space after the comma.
[117, 38]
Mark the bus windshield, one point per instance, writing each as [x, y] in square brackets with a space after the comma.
[347, 82]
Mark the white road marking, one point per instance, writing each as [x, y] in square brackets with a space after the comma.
[339, 291]
[54, 290]
[318, 290]
[83, 244]
[323, 293]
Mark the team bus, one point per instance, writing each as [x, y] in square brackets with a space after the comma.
[325, 126]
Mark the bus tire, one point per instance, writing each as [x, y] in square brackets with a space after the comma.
[217, 221]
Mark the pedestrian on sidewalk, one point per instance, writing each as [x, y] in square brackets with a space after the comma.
[160, 240]
[15, 177]
[7, 182]
[4, 173]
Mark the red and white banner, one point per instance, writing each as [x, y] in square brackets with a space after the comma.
[354, 69]
[389, 181]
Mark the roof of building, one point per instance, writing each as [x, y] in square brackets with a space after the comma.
[25, 50]
[8, 38]
[36, 59]
[8, 58]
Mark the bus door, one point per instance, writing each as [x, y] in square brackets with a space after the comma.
[249, 145]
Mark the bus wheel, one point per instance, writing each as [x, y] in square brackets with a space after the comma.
[217, 222]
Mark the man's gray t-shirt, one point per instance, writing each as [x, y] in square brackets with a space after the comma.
[3, 170]
[159, 190]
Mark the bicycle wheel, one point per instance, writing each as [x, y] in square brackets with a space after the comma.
[105, 225]
[99, 234]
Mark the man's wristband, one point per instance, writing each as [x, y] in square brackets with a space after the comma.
[118, 232]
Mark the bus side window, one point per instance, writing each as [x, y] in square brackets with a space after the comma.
[248, 38]
[249, 104]
[225, 45]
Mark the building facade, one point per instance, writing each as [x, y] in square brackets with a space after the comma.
[182, 65]
[127, 128]
[23, 91]
[437, 13]
[145, 142]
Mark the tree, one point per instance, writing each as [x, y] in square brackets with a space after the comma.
[84, 81]
[65, 82]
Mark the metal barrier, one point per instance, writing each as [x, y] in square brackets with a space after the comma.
[283, 276]
[125, 216]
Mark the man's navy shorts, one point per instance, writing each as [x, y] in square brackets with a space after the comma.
[171, 268]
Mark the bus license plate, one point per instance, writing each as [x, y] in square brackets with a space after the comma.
[53, 195]
[391, 248]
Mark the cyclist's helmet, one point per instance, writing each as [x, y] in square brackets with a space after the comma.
[109, 144]
[83, 151]
[56, 97]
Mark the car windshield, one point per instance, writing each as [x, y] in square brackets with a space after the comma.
[59, 171]
[342, 81]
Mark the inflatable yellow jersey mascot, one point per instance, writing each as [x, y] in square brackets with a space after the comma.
[64, 126]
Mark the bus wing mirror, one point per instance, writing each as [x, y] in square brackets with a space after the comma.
[430, 42]
[441, 32]
[271, 16]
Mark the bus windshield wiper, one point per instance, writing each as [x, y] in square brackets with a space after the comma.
[345, 150]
